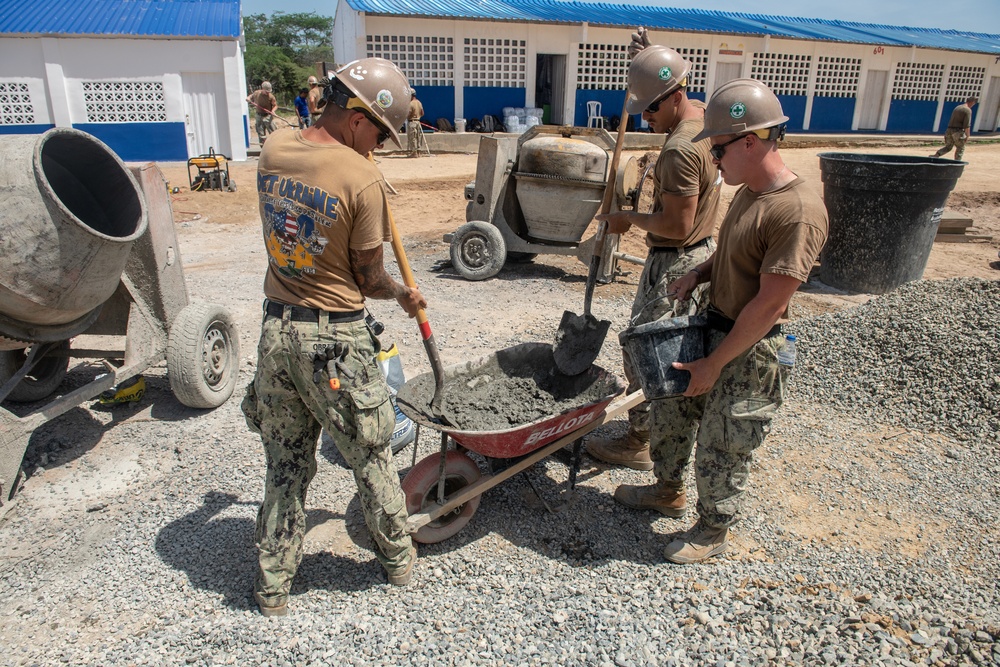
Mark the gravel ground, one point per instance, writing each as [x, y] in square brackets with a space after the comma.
[870, 536]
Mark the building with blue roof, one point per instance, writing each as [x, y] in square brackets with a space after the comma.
[153, 79]
[469, 59]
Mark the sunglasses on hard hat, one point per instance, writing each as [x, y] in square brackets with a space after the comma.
[720, 150]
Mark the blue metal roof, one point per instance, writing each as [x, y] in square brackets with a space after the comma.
[686, 20]
[139, 18]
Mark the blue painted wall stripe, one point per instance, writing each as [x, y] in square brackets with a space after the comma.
[141, 142]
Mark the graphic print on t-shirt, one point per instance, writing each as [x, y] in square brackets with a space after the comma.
[292, 212]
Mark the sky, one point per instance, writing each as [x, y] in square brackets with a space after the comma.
[971, 15]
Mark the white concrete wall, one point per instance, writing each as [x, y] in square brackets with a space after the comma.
[55, 69]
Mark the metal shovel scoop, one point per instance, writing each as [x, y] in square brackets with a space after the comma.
[579, 338]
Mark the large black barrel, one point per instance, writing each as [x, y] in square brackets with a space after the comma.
[884, 213]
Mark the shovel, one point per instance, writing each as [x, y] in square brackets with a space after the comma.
[425, 326]
[579, 338]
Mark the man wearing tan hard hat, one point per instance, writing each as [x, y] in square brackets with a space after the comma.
[678, 233]
[315, 100]
[769, 240]
[325, 219]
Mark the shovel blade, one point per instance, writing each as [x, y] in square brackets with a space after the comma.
[578, 342]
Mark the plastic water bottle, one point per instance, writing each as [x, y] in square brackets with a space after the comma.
[786, 353]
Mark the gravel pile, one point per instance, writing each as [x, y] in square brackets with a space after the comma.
[926, 356]
[870, 536]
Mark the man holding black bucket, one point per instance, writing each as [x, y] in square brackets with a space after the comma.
[678, 233]
[768, 242]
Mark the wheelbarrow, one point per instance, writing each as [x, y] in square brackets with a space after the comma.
[443, 490]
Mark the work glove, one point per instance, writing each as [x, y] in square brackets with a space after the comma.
[640, 40]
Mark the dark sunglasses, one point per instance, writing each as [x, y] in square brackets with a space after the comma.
[655, 106]
[383, 134]
[720, 150]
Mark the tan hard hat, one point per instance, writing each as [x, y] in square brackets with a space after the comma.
[743, 105]
[313, 81]
[266, 86]
[654, 72]
[380, 87]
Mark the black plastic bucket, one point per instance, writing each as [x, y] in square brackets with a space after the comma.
[884, 214]
[653, 347]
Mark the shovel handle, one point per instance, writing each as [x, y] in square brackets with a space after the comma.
[609, 195]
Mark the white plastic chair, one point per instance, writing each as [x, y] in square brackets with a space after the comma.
[594, 117]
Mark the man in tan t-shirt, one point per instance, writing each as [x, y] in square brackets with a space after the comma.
[315, 100]
[768, 242]
[679, 235]
[325, 218]
[413, 132]
[264, 104]
[959, 129]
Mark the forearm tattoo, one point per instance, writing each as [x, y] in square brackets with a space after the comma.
[371, 277]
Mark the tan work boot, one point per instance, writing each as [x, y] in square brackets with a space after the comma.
[629, 451]
[276, 608]
[667, 501]
[402, 576]
[698, 544]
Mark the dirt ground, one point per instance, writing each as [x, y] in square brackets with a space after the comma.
[430, 204]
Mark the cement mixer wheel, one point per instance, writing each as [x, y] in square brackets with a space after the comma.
[203, 355]
[43, 379]
[478, 250]
[420, 488]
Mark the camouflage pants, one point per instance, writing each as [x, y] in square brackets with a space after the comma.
[729, 423]
[264, 126]
[652, 303]
[413, 137]
[288, 408]
[953, 139]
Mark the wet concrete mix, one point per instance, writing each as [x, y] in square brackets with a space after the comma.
[513, 387]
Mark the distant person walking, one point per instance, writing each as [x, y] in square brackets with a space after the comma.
[264, 104]
[315, 100]
[413, 131]
[302, 108]
[959, 129]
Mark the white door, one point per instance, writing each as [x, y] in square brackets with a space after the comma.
[726, 72]
[991, 106]
[204, 96]
[873, 98]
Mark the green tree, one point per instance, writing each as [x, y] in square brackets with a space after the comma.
[283, 48]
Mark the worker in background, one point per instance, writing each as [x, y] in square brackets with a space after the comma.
[413, 131]
[959, 129]
[315, 100]
[316, 362]
[302, 108]
[679, 236]
[769, 240]
[264, 105]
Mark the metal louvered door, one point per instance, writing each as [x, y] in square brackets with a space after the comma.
[726, 72]
[991, 107]
[204, 93]
[872, 100]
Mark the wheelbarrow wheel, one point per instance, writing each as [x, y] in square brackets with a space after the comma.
[42, 380]
[203, 355]
[478, 250]
[420, 488]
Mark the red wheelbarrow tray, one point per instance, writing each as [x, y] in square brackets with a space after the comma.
[595, 388]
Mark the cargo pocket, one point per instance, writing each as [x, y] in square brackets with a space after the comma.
[374, 417]
[766, 387]
[249, 406]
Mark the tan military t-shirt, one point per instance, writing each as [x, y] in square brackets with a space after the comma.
[316, 202]
[685, 169]
[961, 117]
[777, 232]
[313, 98]
[416, 110]
[263, 102]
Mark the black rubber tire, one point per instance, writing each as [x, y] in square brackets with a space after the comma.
[420, 489]
[43, 379]
[521, 257]
[478, 250]
[203, 355]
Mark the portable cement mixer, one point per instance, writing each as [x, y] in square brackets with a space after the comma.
[536, 194]
[88, 247]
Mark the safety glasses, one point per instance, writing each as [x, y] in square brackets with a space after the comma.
[383, 134]
[720, 150]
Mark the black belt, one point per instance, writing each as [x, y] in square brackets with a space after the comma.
[720, 322]
[696, 244]
[303, 314]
